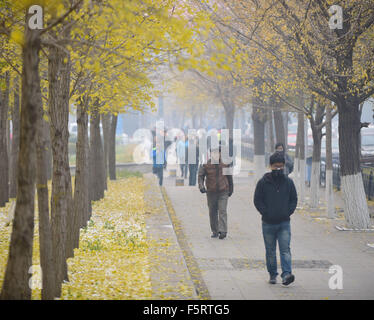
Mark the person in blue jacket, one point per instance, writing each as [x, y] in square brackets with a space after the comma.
[158, 155]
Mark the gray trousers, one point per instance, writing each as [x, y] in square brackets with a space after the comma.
[217, 203]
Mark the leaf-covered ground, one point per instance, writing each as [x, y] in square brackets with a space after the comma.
[112, 261]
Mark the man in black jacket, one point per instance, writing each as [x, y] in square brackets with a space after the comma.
[276, 199]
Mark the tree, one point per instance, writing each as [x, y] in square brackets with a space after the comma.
[96, 157]
[45, 230]
[99, 54]
[336, 64]
[258, 120]
[300, 154]
[316, 126]
[81, 199]
[16, 280]
[4, 161]
[329, 169]
[112, 146]
[15, 140]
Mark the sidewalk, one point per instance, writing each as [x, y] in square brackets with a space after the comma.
[234, 268]
[170, 278]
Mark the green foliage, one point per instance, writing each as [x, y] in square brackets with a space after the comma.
[94, 245]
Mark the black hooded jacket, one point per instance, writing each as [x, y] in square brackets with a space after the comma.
[276, 200]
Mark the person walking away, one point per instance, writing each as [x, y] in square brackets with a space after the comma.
[288, 168]
[158, 155]
[275, 198]
[192, 167]
[219, 188]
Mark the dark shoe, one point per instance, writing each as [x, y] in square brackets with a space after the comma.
[273, 280]
[214, 235]
[222, 235]
[288, 279]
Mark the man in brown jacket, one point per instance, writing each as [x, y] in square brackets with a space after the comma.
[219, 187]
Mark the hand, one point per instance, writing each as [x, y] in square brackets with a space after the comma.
[203, 190]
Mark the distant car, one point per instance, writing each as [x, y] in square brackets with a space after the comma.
[291, 142]
[292, 128]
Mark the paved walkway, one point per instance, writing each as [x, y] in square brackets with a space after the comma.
[170, 277]
[234, 268]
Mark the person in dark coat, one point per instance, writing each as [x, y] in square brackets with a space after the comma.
[288, 168]
[218, 187]
[275, 198]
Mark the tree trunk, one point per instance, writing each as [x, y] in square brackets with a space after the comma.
[279, 126]
[81, 199]
[45, 234]
[300, 149]
[112, 147]
[96, 158]
[106, 120]
[49, 155]
[201, 120]
[8, 144]
[61, 199]
[329, 183]
[259, 142]
[194, 118]
[183, 119]
[271, 131]
[4, 160]
[356, 207]
[285, 117]
[229, 117]
[315, 176]
[16, 279]
[316, 158]
[15, 140]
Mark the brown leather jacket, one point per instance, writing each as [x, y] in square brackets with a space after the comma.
[215, 180]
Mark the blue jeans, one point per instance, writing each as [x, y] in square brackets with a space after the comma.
[282, 233]
[184, 170]
[193, 174]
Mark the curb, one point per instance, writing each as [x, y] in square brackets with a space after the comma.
[192, 265]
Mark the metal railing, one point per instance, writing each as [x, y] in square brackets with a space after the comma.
[367, 177]
[247, 151]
